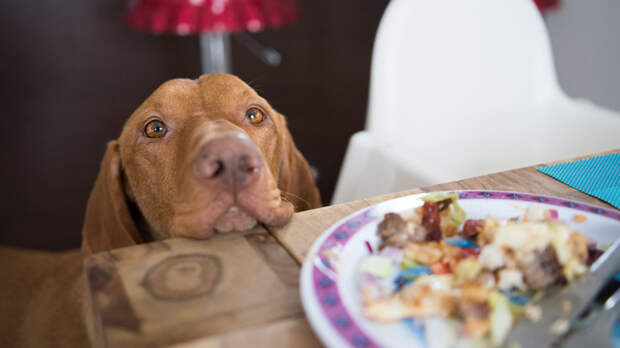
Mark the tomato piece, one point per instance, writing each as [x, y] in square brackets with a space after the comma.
[452, 265]
[440, 268]
[469, 252]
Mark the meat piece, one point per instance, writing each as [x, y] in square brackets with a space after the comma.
[472, 228]
[393, 231]
[542, 270]
[398, 240]
[419, 234]
[473, 310]
[430, 221]
[475, 316]
[391, 225]
[486, 278]
[593, 254]
[474, 293]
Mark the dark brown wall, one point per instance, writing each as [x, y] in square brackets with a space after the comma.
[72, 73]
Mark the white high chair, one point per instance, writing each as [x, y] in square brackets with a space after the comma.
[461, 89]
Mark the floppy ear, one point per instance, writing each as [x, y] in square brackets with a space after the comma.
[108, 223]
[295, 179]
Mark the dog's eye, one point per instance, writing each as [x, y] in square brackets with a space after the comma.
[155, 129]
[255, 115]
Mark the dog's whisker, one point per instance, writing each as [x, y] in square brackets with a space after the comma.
[284, 194]
[255, 85]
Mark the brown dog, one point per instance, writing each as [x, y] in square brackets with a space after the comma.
[197, 157]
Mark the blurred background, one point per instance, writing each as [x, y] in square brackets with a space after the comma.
[72, 73]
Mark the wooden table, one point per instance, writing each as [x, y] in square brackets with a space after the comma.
[238, 288]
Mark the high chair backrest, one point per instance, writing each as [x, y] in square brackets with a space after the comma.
[462, 88]
[444, 63]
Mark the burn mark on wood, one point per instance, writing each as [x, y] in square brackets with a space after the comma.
[98, 278]
[260, 237]
[156, 247]
[112, 257]
[183, 277]
[118, 313]
[109, 295]
[275, 256]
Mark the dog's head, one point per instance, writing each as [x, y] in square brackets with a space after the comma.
[197, 157]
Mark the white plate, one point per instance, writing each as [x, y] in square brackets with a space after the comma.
[329, 290]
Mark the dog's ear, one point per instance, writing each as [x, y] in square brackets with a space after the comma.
[108, 223]
[295, 179]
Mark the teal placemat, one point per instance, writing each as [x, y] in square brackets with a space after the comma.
[596, 176]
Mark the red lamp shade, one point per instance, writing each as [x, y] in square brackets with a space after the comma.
[545, 5]
[183, 17]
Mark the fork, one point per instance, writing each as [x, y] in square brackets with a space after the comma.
[596, 333]
[579, 294]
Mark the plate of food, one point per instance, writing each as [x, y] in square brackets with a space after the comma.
[447, 269]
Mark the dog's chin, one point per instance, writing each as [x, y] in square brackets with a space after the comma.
[235, 219]
[225, 212]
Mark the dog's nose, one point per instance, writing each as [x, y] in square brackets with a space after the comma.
[231, 160]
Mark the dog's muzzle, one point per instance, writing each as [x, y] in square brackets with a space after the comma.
[230, 161]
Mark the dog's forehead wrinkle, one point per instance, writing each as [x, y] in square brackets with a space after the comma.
[175, 96]
[224, 98]
[223, 88]
[177, 86]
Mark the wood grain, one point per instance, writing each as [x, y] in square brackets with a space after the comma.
[294, 332]
[177, 290]
[239, 289]
[297, 237]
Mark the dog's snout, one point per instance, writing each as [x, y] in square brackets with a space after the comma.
[231, 161]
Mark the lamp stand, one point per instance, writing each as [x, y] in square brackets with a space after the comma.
[215, 53]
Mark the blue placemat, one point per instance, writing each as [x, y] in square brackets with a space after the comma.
[596, 176]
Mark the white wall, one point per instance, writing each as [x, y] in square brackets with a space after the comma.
[585, 35]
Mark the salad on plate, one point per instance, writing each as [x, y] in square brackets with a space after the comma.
[477, 276]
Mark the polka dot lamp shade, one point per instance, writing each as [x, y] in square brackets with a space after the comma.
[183, 17]
[546, 5]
